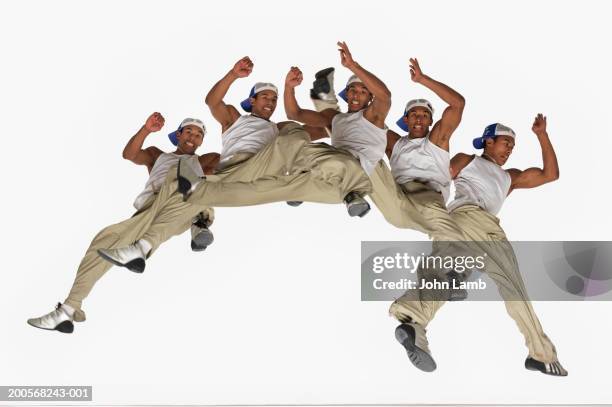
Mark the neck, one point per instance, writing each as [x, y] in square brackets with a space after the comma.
[412, 136]
[259, 117]
[355, 111]
[181, 152]
[488, 157]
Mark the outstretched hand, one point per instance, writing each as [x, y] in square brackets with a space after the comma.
[415, 70]
[539, 124]
[154, 122]
[243, 68]
[294, 77]
[345, 55]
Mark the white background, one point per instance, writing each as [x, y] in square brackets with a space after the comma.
[271, 312]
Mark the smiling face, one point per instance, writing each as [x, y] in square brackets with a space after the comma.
[358, 96]
[418, 120]
[189, 139]
[499, 148]
[264, 103]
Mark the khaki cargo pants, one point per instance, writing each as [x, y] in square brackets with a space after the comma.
[289, 168]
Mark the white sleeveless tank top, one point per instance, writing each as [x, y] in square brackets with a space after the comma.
[481, 183]
[354, 133]
[419, 159]
[158, 174]
[248, 134]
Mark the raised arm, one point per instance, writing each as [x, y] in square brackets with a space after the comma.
[133, 149]
[534, 177]
[451, 117]
[226, 114]
[294, 111]
[378, 109]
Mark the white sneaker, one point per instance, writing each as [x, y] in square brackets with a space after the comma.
[131, 257]
[413, 339]
[56, 320]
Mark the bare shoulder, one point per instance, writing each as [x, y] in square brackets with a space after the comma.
[463, 157]
[210, 158]
[392, 136]
[228, 121]
[209, 162]
[514, 173]
[459, 162]
[234, 113]
[153, 152]
[375, 116]
[329, 114]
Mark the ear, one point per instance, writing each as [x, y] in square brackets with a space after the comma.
[405, 119]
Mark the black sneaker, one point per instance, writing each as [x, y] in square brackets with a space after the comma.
[323, 86]
[552, 369]
[201, 236]
[455, 279]
[356, 205]
[187, 178]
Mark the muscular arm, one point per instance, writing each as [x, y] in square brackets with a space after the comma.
[226, 114]
[133, 150]
[534, 176]
[209, 162]
[451, 117]
[379, 108]
[295, 112]
[392, 138]
[458, 162]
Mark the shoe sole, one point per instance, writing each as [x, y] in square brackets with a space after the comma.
[196, 248]
[536, 365]
[422, 360]
[136, 265]
[458, 294]
[324, 72]
[66, 327]
[360, 209]
[294, 203]
[202, 241]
